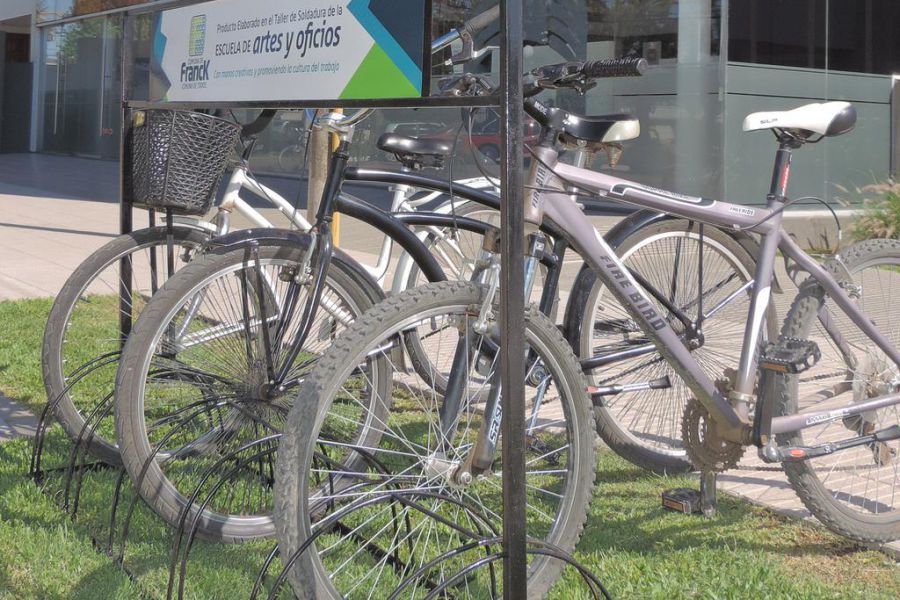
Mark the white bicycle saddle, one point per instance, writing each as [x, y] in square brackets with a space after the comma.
[825, 118]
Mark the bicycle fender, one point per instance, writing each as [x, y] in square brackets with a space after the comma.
[396, 230]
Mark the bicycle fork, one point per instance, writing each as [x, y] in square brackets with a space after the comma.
[481, 456]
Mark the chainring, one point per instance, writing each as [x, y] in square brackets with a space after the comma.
[706, 450]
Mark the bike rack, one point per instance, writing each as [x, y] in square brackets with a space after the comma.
[511, 546]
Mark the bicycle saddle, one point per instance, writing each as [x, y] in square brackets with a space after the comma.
[603, 129]
[415, 153]
[401, 144]
[824, 118]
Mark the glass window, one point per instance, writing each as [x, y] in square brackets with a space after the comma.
[840, 35]
[648, 28]
[80, 88]
[50, 10]
[862, 36]
[778, 32]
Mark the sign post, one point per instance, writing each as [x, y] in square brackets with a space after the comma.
[512, 306]
[283, 50]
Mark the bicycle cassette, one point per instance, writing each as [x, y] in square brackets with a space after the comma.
[706, 450]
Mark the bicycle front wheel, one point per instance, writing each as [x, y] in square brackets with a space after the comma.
[195, 385]
[82, 338]
[384, 511]
[853, 492]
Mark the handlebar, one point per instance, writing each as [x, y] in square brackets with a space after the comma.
[466, 33]
[615, 67]
[479, 22]
[256, 126]
[580, 75]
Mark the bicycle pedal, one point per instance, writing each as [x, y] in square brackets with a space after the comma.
[790, 355]
[683, 500]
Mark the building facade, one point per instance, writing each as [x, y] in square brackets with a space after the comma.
[714, 61]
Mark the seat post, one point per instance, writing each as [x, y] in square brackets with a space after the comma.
[781, 172]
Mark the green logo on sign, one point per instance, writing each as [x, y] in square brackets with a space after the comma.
[197, 41]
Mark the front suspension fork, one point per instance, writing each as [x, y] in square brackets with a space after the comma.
[481, 457]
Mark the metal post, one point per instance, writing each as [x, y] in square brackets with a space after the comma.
[319, 146]
[512, 307]
[708, 503]
[125, 191]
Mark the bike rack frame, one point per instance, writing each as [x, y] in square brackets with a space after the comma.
[509, 101]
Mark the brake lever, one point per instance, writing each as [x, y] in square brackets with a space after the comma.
[464, 85]
[468, 52]
[580, 84]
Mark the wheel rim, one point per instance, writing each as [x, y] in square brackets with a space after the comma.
[407, 446]
[862, 482]
[92, 331]
[651, 419]
[208, 400]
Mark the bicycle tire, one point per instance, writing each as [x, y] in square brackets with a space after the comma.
[644, 427]
[853, 510]
[58, 364]
[311, 410]
[232, 410]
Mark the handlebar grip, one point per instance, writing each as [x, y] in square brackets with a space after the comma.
[258, 124]
[615, 67]
[479, 22]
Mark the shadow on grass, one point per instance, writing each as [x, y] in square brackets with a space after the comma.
[627, 515]
[214, 570]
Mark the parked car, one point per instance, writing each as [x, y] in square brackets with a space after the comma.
[485, 136]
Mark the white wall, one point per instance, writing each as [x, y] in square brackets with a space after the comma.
[16, 8]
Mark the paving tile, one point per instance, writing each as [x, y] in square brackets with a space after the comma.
[15, 421]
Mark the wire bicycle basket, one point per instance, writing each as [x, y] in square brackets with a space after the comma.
[178, 158]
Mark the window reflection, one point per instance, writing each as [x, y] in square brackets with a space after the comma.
[50, 10]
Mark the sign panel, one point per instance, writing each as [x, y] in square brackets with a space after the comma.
[282, 50]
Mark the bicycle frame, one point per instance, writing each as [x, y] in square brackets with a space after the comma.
[402, 200]
[547, 175]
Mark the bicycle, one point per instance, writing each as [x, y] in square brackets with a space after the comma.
[138, 384]
[131, 405]
[443, 449]
[79, 340]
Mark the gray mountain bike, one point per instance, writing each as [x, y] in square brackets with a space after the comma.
[821, 399]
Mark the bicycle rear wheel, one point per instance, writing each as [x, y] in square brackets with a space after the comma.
[82, 337]
[853, 492]
[385, 510]
[193, 386]
[644, 425]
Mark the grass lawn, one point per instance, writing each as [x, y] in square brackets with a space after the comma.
[637, 549]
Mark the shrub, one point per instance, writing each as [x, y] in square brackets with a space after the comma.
[881, 215]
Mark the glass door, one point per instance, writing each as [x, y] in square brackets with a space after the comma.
[80, 88]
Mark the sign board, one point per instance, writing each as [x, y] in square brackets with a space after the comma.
[282, 50]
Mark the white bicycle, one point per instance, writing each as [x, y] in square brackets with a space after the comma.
[84, 331]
